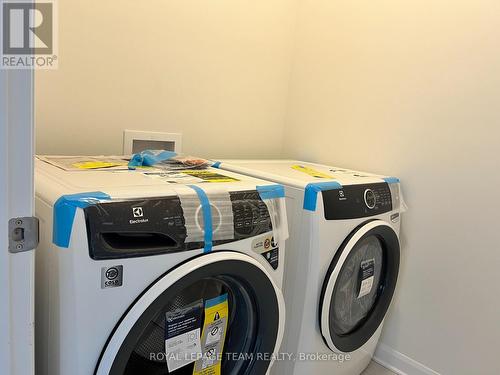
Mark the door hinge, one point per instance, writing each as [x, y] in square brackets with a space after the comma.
[23, 234]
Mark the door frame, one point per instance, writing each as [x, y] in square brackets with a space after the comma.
[16, 200]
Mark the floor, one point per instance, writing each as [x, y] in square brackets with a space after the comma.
[376, 369]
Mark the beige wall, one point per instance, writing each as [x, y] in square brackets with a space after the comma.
[216, 71]
[412, 88]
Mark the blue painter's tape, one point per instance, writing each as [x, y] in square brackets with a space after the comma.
[215, 301]
[216, 164]
[149, 158]
[312, 190]
[271, 191]
[207, 216]
[391, 180]
[64, 214]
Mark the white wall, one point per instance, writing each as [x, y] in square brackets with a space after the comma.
[216, 70]
[412, 88]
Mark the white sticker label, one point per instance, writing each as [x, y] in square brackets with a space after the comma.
[183, 349]
[183, 335]
[366, 287]
[174, 177]
[367, 273]
[263, 244]
[209, 360]
[214, 335]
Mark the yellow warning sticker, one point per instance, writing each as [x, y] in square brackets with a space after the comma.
[97, 164]
[311, 172]
[209, 176]
[213, 336]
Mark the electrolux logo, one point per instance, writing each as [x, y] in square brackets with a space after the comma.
[138, 213]
[29, 39]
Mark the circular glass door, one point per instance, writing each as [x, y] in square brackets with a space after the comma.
[359, 286]
[178, 304]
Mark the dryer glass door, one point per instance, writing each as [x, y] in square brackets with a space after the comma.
[179, 302]
[359, 286]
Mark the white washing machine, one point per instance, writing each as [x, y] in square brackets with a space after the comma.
[136, 274]
[342, 262]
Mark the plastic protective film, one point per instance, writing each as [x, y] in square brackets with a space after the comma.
[357, 285]
[277, 212]
[208, 214]
[221, 213]
[397, 197]
[65, 210]
[190, 204]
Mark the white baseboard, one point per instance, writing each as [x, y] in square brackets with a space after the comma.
[400, 363]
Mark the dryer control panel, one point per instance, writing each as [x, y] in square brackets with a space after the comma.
[356, 201]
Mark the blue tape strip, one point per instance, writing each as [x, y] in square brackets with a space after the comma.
[391, 180]
[216, 164]
[312, 190]
[149, 158]
[215, 301]
[64, 214]
[207, 216]
[271, 191]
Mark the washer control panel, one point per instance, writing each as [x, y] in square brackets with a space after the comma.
[251, 216]
[142, 227]
[356, 201]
